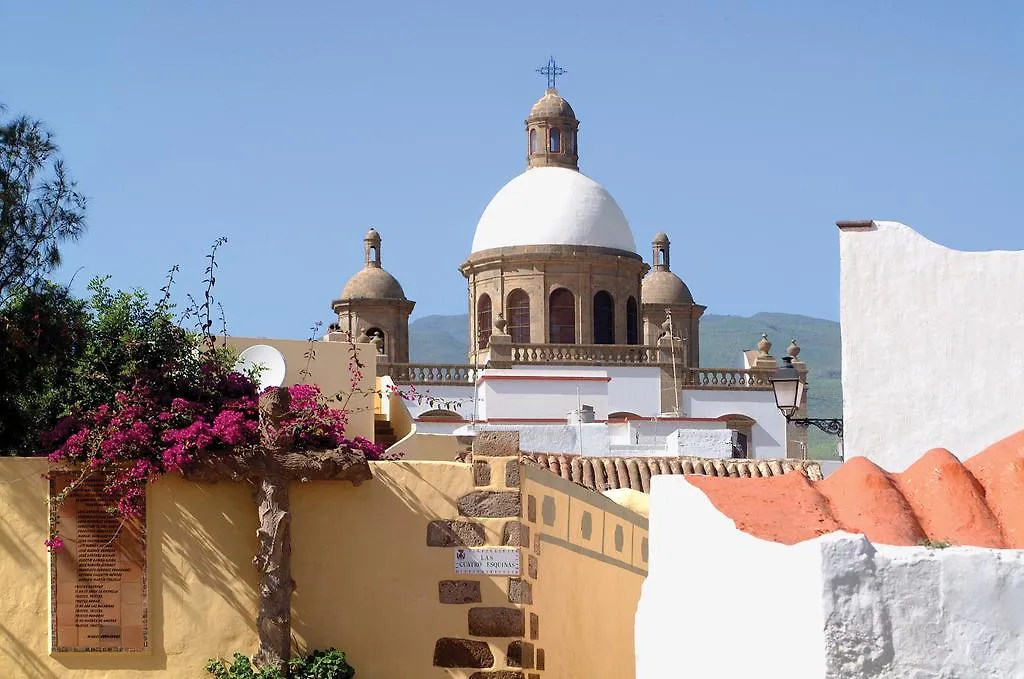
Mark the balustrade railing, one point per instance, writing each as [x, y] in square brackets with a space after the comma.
[580, 354]
[427, 373]
[719, 378]
[613, 354]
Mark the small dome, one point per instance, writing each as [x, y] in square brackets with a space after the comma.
[373, 283]
[664, 287]
[552, 105]
[660, 238]
[553, 206]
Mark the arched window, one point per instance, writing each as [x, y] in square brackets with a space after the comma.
[632, 322]
[519, 316]
[554, 140]
[483, 321]
[377, 332]
[533, 140]
[562, 317]
[604, 318]
[570, 141]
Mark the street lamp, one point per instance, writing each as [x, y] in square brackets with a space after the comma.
[789, 394]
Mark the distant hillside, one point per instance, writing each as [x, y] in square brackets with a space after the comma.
[443, 339]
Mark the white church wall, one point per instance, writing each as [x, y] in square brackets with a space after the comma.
[931, 340]
[859, 611]
[768, 434]
[524, 395]
[631, 389]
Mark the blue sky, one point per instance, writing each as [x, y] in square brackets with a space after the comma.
[744, 130]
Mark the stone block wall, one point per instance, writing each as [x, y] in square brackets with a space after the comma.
[569, 613]
[492, 644]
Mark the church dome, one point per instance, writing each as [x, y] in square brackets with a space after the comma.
[373, 283]
[552, 105]
[553, 206]
[664, 287]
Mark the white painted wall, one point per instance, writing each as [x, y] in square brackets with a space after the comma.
[716, 443]
[551, 395]
[632, 389]
[557, 438]
[932, 353]
[648, 433]
[836, 607]
[720, 603]
[460, 398]
[768, 434]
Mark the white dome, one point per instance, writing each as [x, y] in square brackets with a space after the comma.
[553, 206]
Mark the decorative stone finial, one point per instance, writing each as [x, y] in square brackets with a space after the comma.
[362, 337]
[763, 345]
[793, 349]
[500, 324]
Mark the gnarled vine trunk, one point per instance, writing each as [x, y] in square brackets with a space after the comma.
[273, 561]
[271, 468]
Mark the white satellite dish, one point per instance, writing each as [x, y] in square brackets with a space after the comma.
[268, 360]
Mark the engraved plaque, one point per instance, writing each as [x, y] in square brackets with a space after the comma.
[98, 600]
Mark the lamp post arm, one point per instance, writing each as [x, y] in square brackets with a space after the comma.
[833, 426]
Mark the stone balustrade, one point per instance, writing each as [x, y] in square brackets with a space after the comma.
[575, 355]
[724, 378]
[427, 373]
[584, 354]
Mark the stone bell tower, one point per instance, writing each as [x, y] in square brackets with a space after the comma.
[373, 306]
[551, 127]
[665, 294]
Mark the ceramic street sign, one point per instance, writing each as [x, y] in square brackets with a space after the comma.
[487, 561]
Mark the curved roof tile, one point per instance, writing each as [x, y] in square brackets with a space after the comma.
[938, 499]
[604, 473]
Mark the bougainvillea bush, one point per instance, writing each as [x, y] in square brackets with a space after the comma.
[173, 398]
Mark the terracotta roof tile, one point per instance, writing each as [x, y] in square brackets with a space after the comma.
[937, 499]
[603, 473]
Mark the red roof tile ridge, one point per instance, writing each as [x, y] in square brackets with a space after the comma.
[937, 499]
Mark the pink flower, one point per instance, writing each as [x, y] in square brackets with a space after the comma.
[55, 543]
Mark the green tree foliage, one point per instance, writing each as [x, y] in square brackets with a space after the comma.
[43, 337]
[39, 206]
[60, 355]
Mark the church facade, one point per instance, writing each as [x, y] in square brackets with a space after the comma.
[569, 328]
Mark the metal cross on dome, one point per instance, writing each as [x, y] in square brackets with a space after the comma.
[552, 71]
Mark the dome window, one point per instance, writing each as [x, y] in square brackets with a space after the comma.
[519, 316]
[562, 317]
[533, 140]
[483, 321]
[604, 318]
[555, 140]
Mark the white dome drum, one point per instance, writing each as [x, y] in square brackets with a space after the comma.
[553, 206]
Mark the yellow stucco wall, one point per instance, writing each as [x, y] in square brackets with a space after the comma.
[367, 579]
[200, 542]
[367, 583]
[590, 561]
[435, 447]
